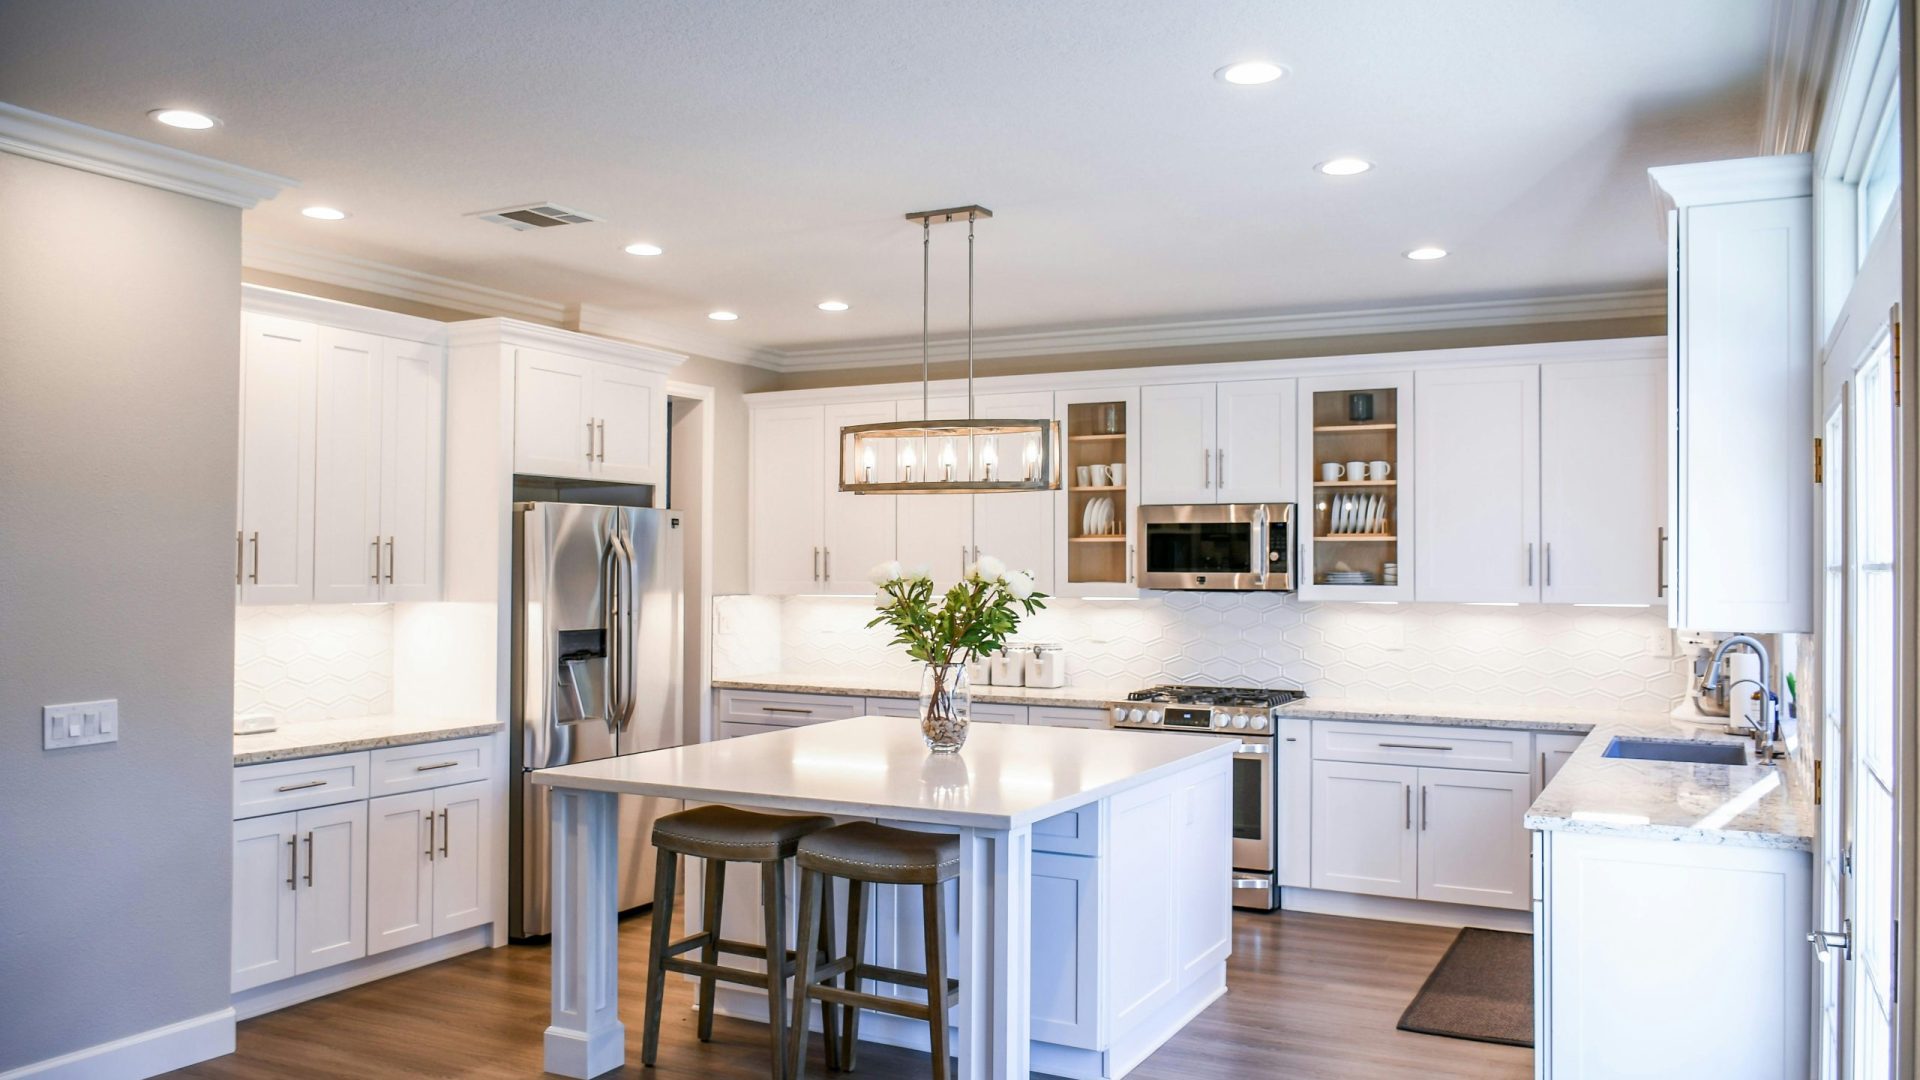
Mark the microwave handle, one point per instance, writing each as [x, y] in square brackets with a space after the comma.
[1260, 543]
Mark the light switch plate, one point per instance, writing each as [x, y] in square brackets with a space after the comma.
[80, 723]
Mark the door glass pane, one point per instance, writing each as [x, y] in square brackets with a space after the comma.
[1832, 714]
[1196, 548]
[1246, 799]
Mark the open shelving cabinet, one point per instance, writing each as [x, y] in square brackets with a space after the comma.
[1098, 428]
[1356, 525]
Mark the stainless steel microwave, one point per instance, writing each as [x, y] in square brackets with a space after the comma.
[1232, 546]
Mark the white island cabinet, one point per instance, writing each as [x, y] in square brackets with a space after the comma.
[1093, 913]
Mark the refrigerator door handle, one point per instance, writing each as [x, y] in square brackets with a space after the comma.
[612, 586]
[629, 634]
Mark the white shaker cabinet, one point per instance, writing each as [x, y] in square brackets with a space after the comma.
[1473, 847]
[1255, 459]
[1603, 481]
[1363, 835]
[1177, 444]
[412, 457]
[399, 873]
[784, 486]
[330, 916]
[1016, 526]
[1477, 438]
[586, 419]
[266, 879]
[630, 417]
[463, 859]
[1551, 752]
[1740, 333]
[273, 556]
[857, 530]
[935, 531]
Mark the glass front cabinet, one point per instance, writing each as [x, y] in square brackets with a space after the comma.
[1356, 480]
[1095, 532]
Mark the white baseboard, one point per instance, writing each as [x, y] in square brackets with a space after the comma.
[1396, 909]
[146, 1053]
[278, 995]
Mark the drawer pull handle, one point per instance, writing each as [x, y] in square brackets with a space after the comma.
[435, 765]
[297, 787]
[1410, 746]
[779, 709]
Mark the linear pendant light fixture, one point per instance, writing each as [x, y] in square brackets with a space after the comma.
[964, 457]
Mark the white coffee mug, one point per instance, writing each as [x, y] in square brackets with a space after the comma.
[1116, 474]
[1332, 471]
[1099, 475]
[1082, 473]
[1356, 470]
[1379, 470]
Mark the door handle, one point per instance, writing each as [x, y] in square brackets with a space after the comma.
[779, 709]
[1660, 562]
[1409, 746]
[255, 577]
[1546, 564]
[298, 787]
[239, 558]
[446, 832]
[589, 440]
[816, 564]
[1423, 808]
[435, 765]
[1407, 791]
[376, 560]
[293, 864]
[429, 836]
[309, 860]
[1824, 941]
[826, 564]
[389, 560]
[1260, 540]
[1130, 564]
[1206, 468]
[602, 425]
[1529, 562]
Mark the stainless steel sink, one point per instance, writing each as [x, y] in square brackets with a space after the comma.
[1685, 751]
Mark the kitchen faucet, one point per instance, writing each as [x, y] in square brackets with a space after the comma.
[1765, 736]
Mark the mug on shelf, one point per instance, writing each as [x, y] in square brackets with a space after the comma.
[1332, 471]
[1116, 474]
[1379, 470]
[1356, 470]
[1098, 473]
[1082, 473]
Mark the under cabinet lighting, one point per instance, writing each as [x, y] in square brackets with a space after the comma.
[1615, 605]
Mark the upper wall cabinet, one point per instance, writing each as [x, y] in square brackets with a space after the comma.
[935, 531]
[273, 549]
[1096, 516]
[1477, 438]
[1016, 526]
[1224, 442]
[808, 536]
[1356, 457]
[588, 419]
[378, 468]
[1603, 481]
[1740, 373]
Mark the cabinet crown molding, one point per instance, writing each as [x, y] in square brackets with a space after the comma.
[123, 157]
[262, 300]
[1706, 183]
[514, 333]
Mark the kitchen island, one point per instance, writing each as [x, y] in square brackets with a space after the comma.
[1149, 815]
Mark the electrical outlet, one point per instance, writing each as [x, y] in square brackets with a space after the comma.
[1660, 643]
[80, 723]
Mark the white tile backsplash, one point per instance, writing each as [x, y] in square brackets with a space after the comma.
[311, 662]
[1544, 656]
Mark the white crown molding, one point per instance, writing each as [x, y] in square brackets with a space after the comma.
[1781, 176]
[367, 275]
[594, 319]
[123, 157]
[1237, 330]
[512, 333]
[262, 300]
[1805, 33]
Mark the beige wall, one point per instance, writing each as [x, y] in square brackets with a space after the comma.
[119, 421]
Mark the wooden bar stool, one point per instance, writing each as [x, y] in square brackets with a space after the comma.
[867, 855]
[720, 835]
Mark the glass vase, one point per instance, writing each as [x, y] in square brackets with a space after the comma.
[946, 704]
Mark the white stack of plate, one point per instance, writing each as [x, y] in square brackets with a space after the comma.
[1099, 519]
[1349, 577]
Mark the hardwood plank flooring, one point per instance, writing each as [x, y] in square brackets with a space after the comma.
[1310, 996]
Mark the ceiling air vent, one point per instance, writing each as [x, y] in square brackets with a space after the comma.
[535, 216]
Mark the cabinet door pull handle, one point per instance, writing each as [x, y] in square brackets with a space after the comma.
[1220, 467]
[602, 425]
[255, 576]
[446, 832]
[1660, 562]
[1529, 563]
[826, 564]
[429, 836]
[293, 864]
[816, 564]
[435, 765]
[309, 860]
[1546, 564]
[1423, 808]
[1407, 791]
[589, 440]
[389, 560]
[1206, 468]
[376, 560]
[298, 787]
[239, 558]
[1410, 746]
[1129, 564]
[782, 709]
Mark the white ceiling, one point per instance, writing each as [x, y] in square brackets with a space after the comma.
[772, 148]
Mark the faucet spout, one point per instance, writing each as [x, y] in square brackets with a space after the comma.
[1765, 735]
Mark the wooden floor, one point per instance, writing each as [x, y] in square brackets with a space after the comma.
[1310, 996]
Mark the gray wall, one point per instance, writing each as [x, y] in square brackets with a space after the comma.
[119, 316]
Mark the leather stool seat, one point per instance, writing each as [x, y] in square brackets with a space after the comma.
[727, 832]
[864, 851]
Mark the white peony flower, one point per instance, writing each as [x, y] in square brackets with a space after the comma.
[1019, 583]
[988, 569]
[918, 572]
[884, 573]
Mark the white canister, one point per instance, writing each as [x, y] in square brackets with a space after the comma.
[1008, 667]
[980, 671]
[1047, 665]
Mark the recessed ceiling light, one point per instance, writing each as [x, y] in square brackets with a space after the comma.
[642, 249]
[832, 305]
[722, 316]
[1250, 73]
[184, 118]
[324, 213]
[1344, 166]
[1427, 254]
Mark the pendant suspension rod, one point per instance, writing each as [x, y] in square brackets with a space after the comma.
[926, 377]
[969, 315]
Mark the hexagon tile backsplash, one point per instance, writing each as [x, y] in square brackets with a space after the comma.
[313, 662]
[1540, 656]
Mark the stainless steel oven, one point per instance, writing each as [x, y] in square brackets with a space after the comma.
[1248, 716]
[1231, 546]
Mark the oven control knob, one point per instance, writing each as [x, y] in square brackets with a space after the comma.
[1119, 714]
[1219, 719]
[1240, 721]
[1259, 723]
[1136, 716]
[1153, 716]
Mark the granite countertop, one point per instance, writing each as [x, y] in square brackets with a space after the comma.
[310, 738]
[1522, 718]
[1079, 697]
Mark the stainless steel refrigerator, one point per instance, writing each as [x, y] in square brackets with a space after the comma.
[596, 672]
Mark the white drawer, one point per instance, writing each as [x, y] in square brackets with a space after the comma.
[894, 706]
[279, 786]
[790, 710]
[992, 712]
[1063, 716]
[1076, 832]
[1418, 744]
[398, 769]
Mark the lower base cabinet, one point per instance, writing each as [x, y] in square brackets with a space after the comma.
[427, 867]
[299, 892]
[1452, 835]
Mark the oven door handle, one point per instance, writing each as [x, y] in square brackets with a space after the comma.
[1260, 749]
[1260, 543]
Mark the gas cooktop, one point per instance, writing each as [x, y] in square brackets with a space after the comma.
[1235, 697]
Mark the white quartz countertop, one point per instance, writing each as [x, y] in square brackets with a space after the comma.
[1519, 717]
[784, 682]
[876, 766]
[309, 738]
